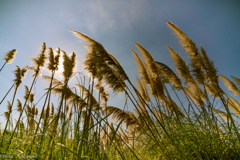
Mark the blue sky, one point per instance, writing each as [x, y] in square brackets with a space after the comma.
[25, 24]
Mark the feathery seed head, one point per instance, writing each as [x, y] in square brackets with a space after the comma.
[85, 38]
[148, 60]
[9, 56]
[195, 98]
[141, 68]
[33, 109]
[55, 82]
[156, 84]
[172, 106]
[230, 85]
[28, 109]
[103, 93]
[234, 105]
[36, 111]
[27, 92]
[56, 58]
[8, 113]
[192, 51]
[19, 106]
[169, 76]
[9, 106]
[182, 68]
[40, 60]
[208, 66]
[68, 64]
[19, 74]
[51, 59]
[73, 59]
[221, 113]
[187, 44]
[211, 90]
[31, 97]
[89, 96]
[102, 65]
[24, 71]
[142, 89]
[237, 80]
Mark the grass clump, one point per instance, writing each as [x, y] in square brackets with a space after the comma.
[199, 123]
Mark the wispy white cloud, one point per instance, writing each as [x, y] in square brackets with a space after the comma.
[108, 14]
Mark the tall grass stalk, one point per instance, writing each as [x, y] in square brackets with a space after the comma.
[9, 57]
[182, 115]
[39, 62]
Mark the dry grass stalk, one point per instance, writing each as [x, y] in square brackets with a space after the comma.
[55, 82]
[172, 107]
[9, 56]
[182, 67]
[237, 81]
[87, 119]
[19, 74]
[47, 113]
[221, 113]
[123, 135]
[102, 65]
[70, 113]
[151, 67]
[184, 40]
[40, 60]
[184, 72]
[103, 93]
[141, 68]
[230, 85]
[119, 115]
[27, 92]
[211, 90]
[52, 110]
[196, 99]
[192, 51]
[68, 65]
[169, 76]
[53, 60]
[88, 95]
[234, 105]
[31, 97]
[19, 106]
[9, 111]
[142, 89]
[210, 72]
[160, 115]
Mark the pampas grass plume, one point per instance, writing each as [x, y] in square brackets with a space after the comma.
[19, 74]
[7, 114]
[141, 68]
[68, 64]
[230, 85]
[19, 106]
[40, 60]
[237, 81]
[9, 56]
